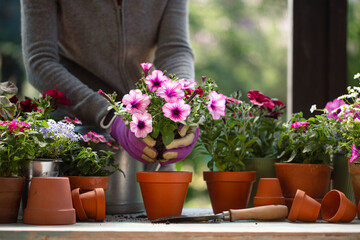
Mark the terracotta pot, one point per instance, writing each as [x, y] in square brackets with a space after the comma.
[11, 189]
[163, 192]
[341, 176]
[49, 202]
[92, 204]
[269, 193]
[89, 183]
[336, 207]
[264, 168]
[304, 208]
[314, 179]
[289, 201]
[354, 170]
[229, 190]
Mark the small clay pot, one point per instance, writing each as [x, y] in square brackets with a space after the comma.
[80, 212]
[304, 208]
[93, 203]
[336, 207]
[11, 189]
[49, 202]
[269, 193]
[163, 192]
[289, 201]
[89, 183]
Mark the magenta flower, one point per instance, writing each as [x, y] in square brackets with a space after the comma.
[94, 137]
[171, 91]
[136, 102]
[14, 124]
[141, 124]
[155, 80]
[176, 111]
[146, 67]
[260, 99]
[232, 100]
[216, 105]
[354, 154]
[333, 108]
[187, 83]
[300, 126]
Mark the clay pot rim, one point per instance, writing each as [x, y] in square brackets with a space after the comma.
[100, 203]
[164, 177]
[320, 165]
[80, 212]
[298, 199]
[268, 198]
[341, 208]
[218, 176]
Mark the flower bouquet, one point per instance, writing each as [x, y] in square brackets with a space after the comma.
[164, 107]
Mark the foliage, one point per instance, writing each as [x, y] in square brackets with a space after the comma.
[307, 140]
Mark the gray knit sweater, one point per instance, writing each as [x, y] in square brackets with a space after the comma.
[81, 46]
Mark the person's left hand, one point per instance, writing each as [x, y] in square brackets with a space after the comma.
[179, 148]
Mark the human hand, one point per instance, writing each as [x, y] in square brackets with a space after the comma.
[142, 149]
[179, 148]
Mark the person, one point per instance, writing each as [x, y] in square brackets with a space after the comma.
[79, 47]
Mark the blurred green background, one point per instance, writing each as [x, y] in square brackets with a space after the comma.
[242, 44]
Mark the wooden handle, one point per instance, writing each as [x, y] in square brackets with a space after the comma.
[270, 212]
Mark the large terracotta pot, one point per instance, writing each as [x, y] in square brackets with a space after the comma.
[354, 170]
[342, 177]
[264, 168]
[89, 183]
[49, 202]
[11, 189]
[229, 190]
[163, 192]
[313, 179]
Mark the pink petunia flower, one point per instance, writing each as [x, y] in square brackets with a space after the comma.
[216, 105]
[171, 91]
[146, 67]
[94, 137]
[155, 80]
[136, 102]
[14, 124]
[300, 126]
[333, 108]
[141, 124]
[260, 99]
[176, 111]
[232, 100]
[187, 83]
[354, 154]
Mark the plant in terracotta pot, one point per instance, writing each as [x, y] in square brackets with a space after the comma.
[163, 112]
[225, 138]
[305, 149]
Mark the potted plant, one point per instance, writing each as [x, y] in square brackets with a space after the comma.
[305, 149]
[225, 138]
[163, 109]
[266, 126]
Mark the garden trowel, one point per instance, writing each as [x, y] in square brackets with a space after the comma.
[270, 212]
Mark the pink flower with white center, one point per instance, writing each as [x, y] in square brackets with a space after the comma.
[187, 83]
[171, 91]
[216, 105]
[146, 67]
[141, 124]
[94, 137]
[155, 80]
[176, 111]
[136, 102]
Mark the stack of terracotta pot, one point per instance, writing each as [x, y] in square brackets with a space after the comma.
[89, 205]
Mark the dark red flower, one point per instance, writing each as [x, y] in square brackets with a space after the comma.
[278, 103]
[59, 96]
[28, 106]
[188, 93]
[200, 91]
[260, 99]
[14, 99]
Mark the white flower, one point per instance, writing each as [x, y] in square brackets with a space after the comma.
[313, 108]
[357, 76]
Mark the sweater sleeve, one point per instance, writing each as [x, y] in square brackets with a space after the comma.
[174, 52]
[41, 60]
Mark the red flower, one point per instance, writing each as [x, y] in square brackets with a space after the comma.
[59, 96]
[278, 103]
[28, 106]
[200, 91]
[188, 93]
[232, 100]
[260, 99]
[14, 99]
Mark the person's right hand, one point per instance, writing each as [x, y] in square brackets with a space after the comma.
[142, 149]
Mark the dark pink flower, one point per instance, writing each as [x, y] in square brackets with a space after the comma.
[59, 97]
[146, 67]
[171, 91]
[177, 111]
[216, 105]
[232, 100]
[333, 108]
[155, 80]
[102, 93]
[136, 102]
[354, 154]
[94, 137]
[278, 103]
[302, 126]
[14, 124]
[260, 99]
